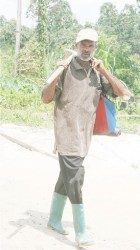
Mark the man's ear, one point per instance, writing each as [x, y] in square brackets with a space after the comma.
[76, 45]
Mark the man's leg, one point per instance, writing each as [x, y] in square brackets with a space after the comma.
[59, 187]
[72, 172]
[57, 206]
[72, 177]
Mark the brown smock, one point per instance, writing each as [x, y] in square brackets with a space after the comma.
[76, 98]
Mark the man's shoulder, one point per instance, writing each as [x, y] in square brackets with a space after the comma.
[75, 64]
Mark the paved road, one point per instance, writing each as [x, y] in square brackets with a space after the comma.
[111, 192]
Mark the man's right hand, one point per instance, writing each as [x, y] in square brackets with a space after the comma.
[63, 63]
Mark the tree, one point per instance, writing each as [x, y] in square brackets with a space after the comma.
[38, 10]
[18, 33]
[120, 47]
[128, 28]
[42, 30]
[118, 58]
[124, 25]
[60, 30]
[138, 5]
[108, 18]
[7, 32]
[61, 26]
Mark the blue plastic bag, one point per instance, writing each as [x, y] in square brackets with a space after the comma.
[106, 118]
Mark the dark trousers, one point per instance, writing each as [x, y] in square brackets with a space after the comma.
[71, 178]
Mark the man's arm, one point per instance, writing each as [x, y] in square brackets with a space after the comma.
[118, 87]
[48, 91]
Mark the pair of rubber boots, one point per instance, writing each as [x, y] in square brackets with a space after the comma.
[56, 212]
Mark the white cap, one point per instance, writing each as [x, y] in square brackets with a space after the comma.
[87, 34]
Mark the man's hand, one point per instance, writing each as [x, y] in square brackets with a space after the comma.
[63, 63]
[98, 65]
[118, 87]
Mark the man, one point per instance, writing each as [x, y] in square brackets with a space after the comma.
[76, 94]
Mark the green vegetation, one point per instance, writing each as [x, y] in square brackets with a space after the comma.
[22, 104]
[41, 47]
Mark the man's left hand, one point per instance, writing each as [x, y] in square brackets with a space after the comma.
[98, 65]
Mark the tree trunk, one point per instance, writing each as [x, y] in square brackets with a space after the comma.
[18, 32]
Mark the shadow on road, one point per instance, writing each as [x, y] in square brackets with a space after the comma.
[38, 221]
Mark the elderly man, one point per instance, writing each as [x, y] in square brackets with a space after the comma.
[76, 94]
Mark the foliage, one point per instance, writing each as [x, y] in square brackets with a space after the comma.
[42, 32]
[108, 18]
[23, 105]
[129, 124]
[42, 46]
[7, 62]
[138, 5]
[128, 29]
[106, 47]
[61, 24]
[119, 60]
[124, 25]
[30, 60]
[121, 51]
[7, 32]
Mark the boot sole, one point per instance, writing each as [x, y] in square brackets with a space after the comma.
[56, 230]
[85, 244]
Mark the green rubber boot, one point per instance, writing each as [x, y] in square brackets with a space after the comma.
[79, 225]
[56, 212]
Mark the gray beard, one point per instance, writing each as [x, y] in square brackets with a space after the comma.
[84, 59]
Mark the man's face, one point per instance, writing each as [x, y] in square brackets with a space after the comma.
[86, 49]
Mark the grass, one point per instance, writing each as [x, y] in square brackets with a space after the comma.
[26, 117]
[129, 124]
[25, 108]
[43, 117]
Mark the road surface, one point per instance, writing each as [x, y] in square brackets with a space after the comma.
[27, 177]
